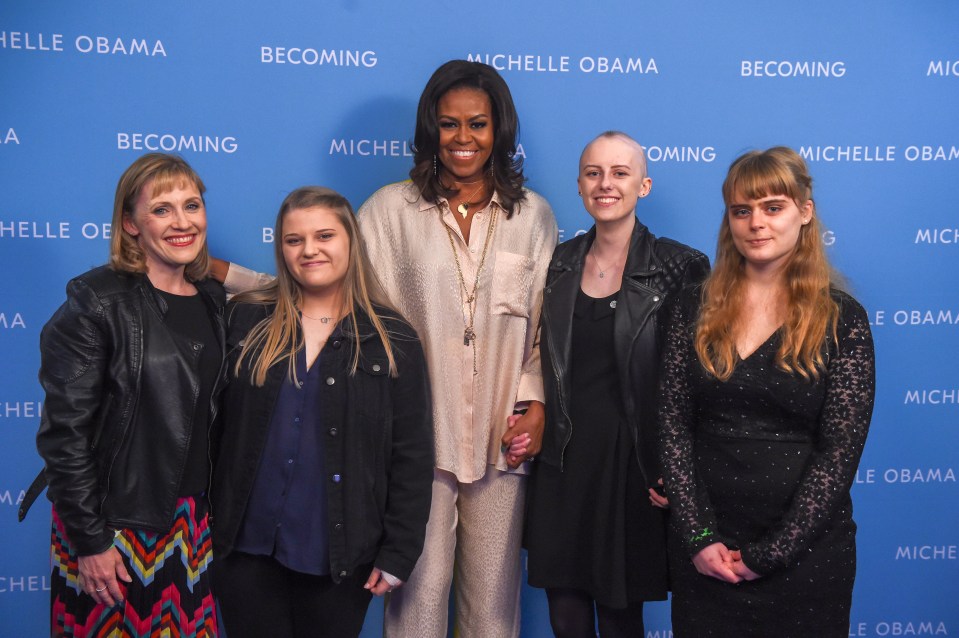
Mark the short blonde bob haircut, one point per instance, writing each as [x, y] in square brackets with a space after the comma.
[166, 173]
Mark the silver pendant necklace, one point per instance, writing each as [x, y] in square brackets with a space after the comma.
[602, 271]
[320, 319]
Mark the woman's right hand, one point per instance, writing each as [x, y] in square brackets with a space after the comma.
[99, 574]
[716, 560]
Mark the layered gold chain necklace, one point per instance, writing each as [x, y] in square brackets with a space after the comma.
[469, 334]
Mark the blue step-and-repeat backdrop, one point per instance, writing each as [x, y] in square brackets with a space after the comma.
[262, 97]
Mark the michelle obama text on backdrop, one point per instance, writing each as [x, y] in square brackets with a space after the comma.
[263, 97]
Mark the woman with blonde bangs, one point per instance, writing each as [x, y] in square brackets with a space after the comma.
[323, 472]
[767, 392]
[131, 365]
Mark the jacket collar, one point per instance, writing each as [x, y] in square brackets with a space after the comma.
[641, 261]
[364, 324]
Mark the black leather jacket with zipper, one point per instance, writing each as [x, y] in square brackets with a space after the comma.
[114, 438]
[655, 270]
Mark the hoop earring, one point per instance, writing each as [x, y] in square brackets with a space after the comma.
[434, 165]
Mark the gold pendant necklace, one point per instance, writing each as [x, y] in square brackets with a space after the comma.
[464, 208]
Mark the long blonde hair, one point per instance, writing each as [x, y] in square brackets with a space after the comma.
[811, 313]
[278, 337]
[167, 172]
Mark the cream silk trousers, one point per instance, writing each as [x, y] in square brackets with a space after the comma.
[473, 542]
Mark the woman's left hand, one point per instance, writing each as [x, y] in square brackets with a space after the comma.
[377, 583]
[739, 567]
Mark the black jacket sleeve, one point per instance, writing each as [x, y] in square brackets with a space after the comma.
[75, 348]
[410, 473]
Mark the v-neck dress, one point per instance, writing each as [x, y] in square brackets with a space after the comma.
[763, 462]
[590, 527]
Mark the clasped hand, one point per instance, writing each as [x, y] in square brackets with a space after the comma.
[524, 435]
[722, 563]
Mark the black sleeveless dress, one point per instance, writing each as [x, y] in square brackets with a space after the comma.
[591, 527]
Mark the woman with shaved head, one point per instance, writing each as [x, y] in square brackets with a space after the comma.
[595, 530]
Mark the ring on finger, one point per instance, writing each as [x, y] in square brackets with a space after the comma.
[99, 589]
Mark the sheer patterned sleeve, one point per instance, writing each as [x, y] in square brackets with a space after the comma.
[690, 510]
[843, 424]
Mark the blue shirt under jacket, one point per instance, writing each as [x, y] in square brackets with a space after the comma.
[287, 514]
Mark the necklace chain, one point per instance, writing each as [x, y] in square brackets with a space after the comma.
[469, 334]
[320, 319]
[602, 271]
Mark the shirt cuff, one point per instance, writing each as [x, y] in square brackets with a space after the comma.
[390, 579]
[530, 388]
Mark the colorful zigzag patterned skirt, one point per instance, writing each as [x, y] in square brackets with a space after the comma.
[170, 594]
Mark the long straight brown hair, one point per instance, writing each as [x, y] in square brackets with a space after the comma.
[810, 311]
[279, 337]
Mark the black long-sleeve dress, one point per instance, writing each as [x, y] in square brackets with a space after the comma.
[764, 462]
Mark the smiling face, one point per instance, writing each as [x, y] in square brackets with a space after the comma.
[766, 230]
[612, 176]
[316, 249]
[464, 117]
[169, 227]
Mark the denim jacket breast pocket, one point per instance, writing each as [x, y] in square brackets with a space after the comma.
[511, 291]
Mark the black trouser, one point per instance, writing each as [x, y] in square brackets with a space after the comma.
[259, 597]
[573, 614]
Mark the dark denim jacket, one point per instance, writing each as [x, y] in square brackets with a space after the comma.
[379, 451]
